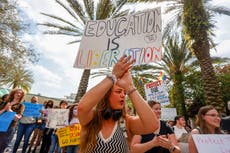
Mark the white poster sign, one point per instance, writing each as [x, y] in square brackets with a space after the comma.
[212, 143]
[168, 113]
[57, 118]
[157, 91]
[105, 41]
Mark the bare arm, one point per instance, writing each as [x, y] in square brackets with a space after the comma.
[138, 147]
[94, 95]
[146, 122]
[5, 108]
[191, 145]
[169, 143]
[90, 100]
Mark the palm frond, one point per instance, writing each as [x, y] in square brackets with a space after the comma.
[58, 32]
[133, 1]
[61, 19]
[104, 8]
[78, 9]
[89, 6]
[218, 9]
[71, 13]
[118, 7]
[62, 28]
[73, 42]
[122, 13]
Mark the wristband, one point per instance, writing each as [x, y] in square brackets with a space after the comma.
[172, 149]
[131, 91]
[112, 77]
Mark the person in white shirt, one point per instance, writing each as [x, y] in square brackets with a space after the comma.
[181, 133]
[179, 128]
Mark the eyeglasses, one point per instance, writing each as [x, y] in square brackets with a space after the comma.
[213, 115]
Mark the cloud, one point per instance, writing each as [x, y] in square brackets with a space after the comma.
[46, 76]
[223, 49]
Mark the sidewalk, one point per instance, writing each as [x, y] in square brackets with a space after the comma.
[21, 144]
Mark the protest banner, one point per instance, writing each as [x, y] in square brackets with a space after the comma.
[69, 135]
[57, 118]
[212, 143]
[157, 91]
[168, 114]
[105, 41]
[32, 109]
[5, 120]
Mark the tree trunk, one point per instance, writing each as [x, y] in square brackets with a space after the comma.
[196, 28]
[83, 85]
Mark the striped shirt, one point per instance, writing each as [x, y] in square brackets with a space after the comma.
[116, 143]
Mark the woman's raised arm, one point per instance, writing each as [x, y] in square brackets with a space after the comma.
[94, 95]
[146, 122]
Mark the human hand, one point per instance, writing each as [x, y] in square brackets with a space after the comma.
[122, 66]
[165, 142]
[126, 81]
[155, 141]
[17, 117]
[7, 107]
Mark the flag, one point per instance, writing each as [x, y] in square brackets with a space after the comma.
[162, 76]
[141, 81]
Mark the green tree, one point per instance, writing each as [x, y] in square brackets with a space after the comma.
[223, 73]
[81, 12]
[18, 77]
[194, 91]
[12, 50]
[195, 16]
[174, 60]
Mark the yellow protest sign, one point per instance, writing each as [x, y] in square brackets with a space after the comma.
[69, 135]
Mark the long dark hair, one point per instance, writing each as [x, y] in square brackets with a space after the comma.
[71, 112]
[88, 139]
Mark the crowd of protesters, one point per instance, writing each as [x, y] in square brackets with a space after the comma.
[107, 123]
[31, 132]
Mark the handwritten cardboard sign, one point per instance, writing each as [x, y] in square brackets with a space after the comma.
[5, 120]
[105, 41]
[69, 135]
[212, 143]
[157, 91]
[168, 113]
[57, 118]
[32, 109]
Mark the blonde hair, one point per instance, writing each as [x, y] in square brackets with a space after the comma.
[13, 92]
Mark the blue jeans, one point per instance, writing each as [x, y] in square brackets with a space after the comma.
[54, 144]
[26, 130]
[72, 149]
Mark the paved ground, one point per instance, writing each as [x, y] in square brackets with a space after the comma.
[20, 147]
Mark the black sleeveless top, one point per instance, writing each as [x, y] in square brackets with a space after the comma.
[164, 130]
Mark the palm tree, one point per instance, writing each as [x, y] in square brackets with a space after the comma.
[176, 55]
[18, 77]
[81, 12]
[195, 16]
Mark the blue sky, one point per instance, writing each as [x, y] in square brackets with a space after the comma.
[54, 74]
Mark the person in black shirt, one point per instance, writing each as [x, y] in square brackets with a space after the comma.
[162, 140]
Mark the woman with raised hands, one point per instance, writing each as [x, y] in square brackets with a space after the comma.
[106, 127]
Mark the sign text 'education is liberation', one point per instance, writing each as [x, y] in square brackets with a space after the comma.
[105, 41]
